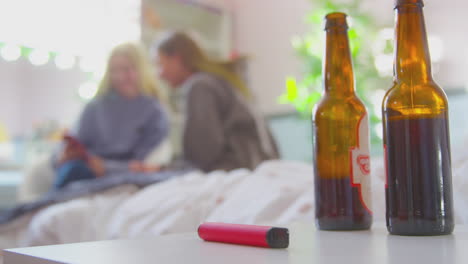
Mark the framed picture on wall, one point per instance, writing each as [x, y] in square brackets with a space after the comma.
[209, 25]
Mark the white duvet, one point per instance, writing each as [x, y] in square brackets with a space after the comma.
[277, 193]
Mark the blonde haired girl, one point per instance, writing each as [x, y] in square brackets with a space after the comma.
[118, 128]
[138, 58]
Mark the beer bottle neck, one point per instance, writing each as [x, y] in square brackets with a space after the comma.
[338, 69]
[412, 60]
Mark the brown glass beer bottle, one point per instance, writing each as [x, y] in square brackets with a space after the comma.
[416, 135]
[341, 140]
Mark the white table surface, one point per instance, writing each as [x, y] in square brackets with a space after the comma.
[307, 246]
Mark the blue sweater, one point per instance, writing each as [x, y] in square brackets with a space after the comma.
[118, 129]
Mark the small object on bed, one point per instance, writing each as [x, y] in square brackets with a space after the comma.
[250, 235]
[76, 144]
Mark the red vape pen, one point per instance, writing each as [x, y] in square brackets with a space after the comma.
[251, 235]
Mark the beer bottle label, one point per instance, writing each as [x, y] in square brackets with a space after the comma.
[360, 163]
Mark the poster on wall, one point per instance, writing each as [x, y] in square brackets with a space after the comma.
[210, 26]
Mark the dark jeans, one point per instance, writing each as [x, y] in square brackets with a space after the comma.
[71, 171]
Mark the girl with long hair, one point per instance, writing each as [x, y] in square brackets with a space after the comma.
[221, 129]
[120, 126]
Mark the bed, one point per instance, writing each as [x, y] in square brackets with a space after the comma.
[276, 193]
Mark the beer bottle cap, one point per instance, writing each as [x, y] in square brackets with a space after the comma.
[404, 2]
[336, 19]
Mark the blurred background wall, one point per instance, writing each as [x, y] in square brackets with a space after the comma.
[37, 91]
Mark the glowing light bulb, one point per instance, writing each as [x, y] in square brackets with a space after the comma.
[87, 90]
[10, 52]
[384, 64]
[386, 33]
[39, 57]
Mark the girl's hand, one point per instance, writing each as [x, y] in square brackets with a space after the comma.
[138, 166]
[69, 153]
[97, 165]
